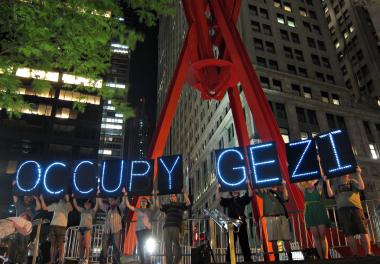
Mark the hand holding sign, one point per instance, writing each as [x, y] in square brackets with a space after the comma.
[336, 154]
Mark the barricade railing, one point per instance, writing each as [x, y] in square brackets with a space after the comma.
[197, 231]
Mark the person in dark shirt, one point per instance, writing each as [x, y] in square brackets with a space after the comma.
[235, 209]
[173, 221]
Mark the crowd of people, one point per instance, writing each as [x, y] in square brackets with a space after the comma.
[346, 191]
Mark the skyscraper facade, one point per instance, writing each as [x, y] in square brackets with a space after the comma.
[112, 130]
[295, 58]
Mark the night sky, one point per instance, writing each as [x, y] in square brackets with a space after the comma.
[143, 72]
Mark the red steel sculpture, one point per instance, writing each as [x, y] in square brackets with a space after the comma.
[212, 26]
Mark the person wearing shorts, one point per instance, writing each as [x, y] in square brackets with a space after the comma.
[87, 214]
[58, 225]
[277, 222]
[350, 210]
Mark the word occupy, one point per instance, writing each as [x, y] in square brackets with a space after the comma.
[82, 177]
[334, 150]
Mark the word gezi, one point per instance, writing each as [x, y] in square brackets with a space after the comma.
[84, 177]
[333, 148]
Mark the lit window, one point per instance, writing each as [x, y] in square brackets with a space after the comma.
[291, 22]
[345, 34]
[287, 7]
[78, 80]
[112, 126]
[285, 134]
[374, 151]
[304, 135]
[351, 28]
[335, 99]
[277, 3]
[280, 19]
[336, 44]
[119, 115]
[116, 85]
[37, 74]
[105, 151]
[325, 97]
[40, 109]
[303, 12]
[307, 92]
[78, 97]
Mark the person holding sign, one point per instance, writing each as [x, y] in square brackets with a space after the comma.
[58, 225]
[350, 210]
[87, 213]
[235, 209]
[143, 225]
[112, 227]
[316, 217]
[173, 221]
[276, 215]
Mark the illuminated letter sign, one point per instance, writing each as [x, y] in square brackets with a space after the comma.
[230, 170]
[28, 177]
[55, 179]
[170, 174]
[264, 165]
[111, 182]
[140, 177]
[335, 153]
[85, 179]
[302, 160]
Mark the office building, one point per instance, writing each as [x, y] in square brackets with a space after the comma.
[295, 58]
[112, 130]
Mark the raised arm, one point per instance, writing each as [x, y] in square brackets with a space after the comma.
[69, 207]
[285, 190]
[218, 195]
[360, 179]
[15, 197]
[101, 204]
[187, 199]
[156, 201]
[330, 192]
[250, 189]
[76, 206]
[96, 207]
[129, 206]
[43, 204]
[38, 203]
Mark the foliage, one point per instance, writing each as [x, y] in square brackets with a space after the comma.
[71, 36]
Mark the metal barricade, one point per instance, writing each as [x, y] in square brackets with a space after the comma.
[72, 244]
[301, 239]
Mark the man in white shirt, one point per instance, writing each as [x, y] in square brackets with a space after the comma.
[58, 225]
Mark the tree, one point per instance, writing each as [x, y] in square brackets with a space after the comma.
[70, 36]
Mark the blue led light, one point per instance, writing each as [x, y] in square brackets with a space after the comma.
[54, 164]
[120, 177]
[141, 174]
[254, 165]
[170, 171]
[219, 172]
[75, 177]
[308, 142]
[336, 155]
[38, 177]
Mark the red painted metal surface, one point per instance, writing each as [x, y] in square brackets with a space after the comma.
[215, 71]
